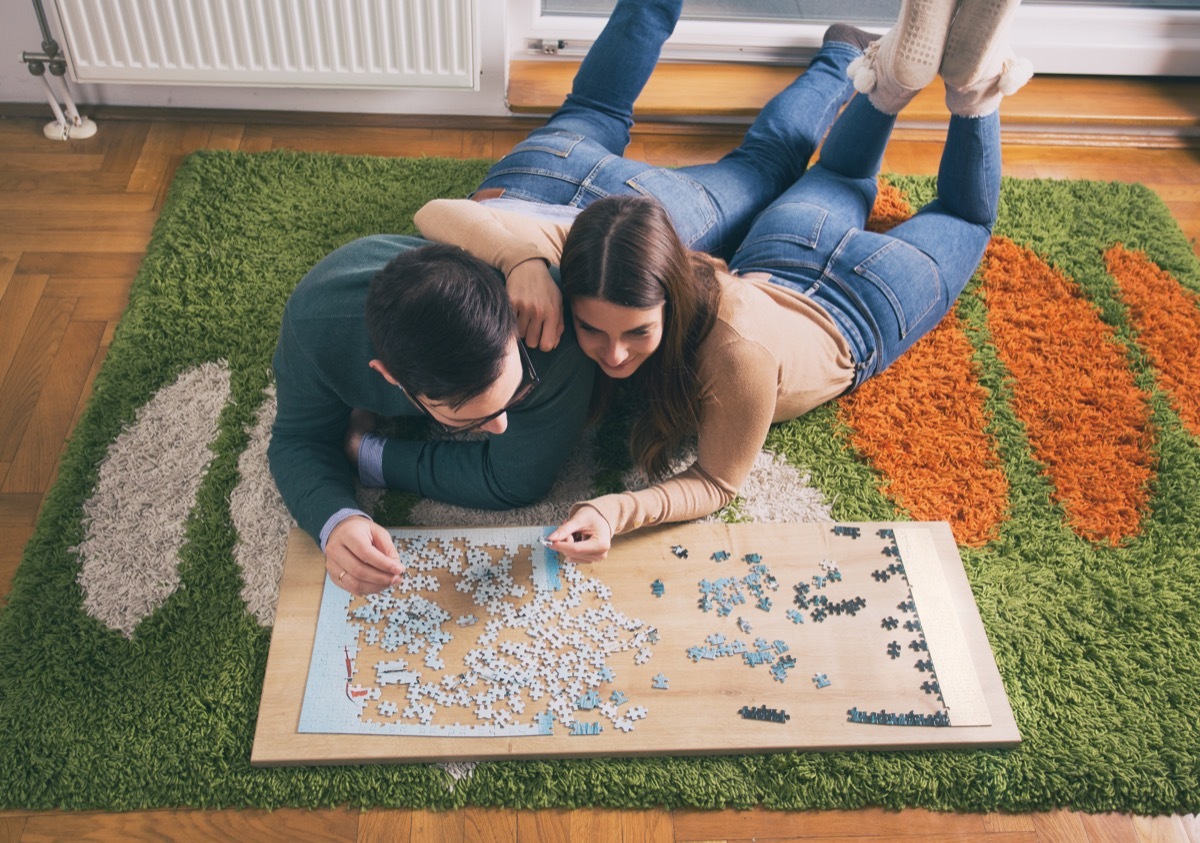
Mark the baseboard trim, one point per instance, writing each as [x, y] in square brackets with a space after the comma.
[1095, 112]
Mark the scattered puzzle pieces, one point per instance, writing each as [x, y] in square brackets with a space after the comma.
[756, 657]
[769, 715]
[780, 669]
[548, 639]
[588, 701]
[885, 718]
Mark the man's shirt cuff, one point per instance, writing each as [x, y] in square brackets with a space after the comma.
[370, 461]
[337, 518]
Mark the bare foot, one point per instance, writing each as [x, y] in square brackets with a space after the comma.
[361, 423]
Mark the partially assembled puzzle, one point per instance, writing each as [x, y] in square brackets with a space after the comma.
[487, 636]
[698, 638]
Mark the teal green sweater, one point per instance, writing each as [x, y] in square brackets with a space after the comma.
[321, 374]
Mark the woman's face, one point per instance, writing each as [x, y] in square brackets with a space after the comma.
[619, 338]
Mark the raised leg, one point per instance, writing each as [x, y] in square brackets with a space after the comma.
[954, 228]
[845, 181]
[776, 149]
[614, 71]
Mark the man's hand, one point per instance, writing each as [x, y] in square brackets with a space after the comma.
[538, 304]
[360, 556]
[584, 537]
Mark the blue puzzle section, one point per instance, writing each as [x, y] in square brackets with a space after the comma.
[545, 564]
[328, 706]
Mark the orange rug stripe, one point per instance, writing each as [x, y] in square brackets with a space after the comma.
[891, 208]
[1087, 421]
[1167, 319]
[921, 424]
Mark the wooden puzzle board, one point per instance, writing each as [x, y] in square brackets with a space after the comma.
[892, 637]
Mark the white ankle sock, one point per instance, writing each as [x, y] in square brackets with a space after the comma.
[1006, 76]
[872, 79]
[978, 40]
[895, 68]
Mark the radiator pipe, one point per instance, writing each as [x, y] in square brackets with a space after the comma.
[66, 126]
[53, 100]
[49, 45]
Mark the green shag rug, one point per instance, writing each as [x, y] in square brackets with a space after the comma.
[1062, 447]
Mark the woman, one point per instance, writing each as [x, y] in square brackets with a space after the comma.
[813, 305]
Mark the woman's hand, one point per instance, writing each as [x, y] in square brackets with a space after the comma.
[584, 537]
[538, 304]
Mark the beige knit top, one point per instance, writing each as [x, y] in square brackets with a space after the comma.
[772, 355]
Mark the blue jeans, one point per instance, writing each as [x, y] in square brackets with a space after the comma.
[885, 291]
[576, 158]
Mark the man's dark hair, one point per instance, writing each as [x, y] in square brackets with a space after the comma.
[441, 322]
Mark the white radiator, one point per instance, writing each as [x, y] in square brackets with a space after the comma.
[295, 43]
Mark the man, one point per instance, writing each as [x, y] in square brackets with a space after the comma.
[399, 326]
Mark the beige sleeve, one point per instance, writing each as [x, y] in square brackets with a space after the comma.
[501, 238]
[735, 417]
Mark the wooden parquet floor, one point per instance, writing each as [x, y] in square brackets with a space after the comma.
[74, 222]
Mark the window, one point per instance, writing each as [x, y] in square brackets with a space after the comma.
[1104, 37]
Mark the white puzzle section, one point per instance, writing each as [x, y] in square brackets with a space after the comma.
[488, 636]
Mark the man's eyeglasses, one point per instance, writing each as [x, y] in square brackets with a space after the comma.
[529, 381]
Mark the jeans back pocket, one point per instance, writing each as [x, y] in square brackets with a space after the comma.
[685, 199]
[784, 236]
[909, 280]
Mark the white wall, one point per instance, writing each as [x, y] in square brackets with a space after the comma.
[1059, 39]
[21, 33]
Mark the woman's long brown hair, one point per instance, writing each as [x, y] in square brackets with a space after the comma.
[624, 250]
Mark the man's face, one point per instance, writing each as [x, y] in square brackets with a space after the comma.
[487, 412]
